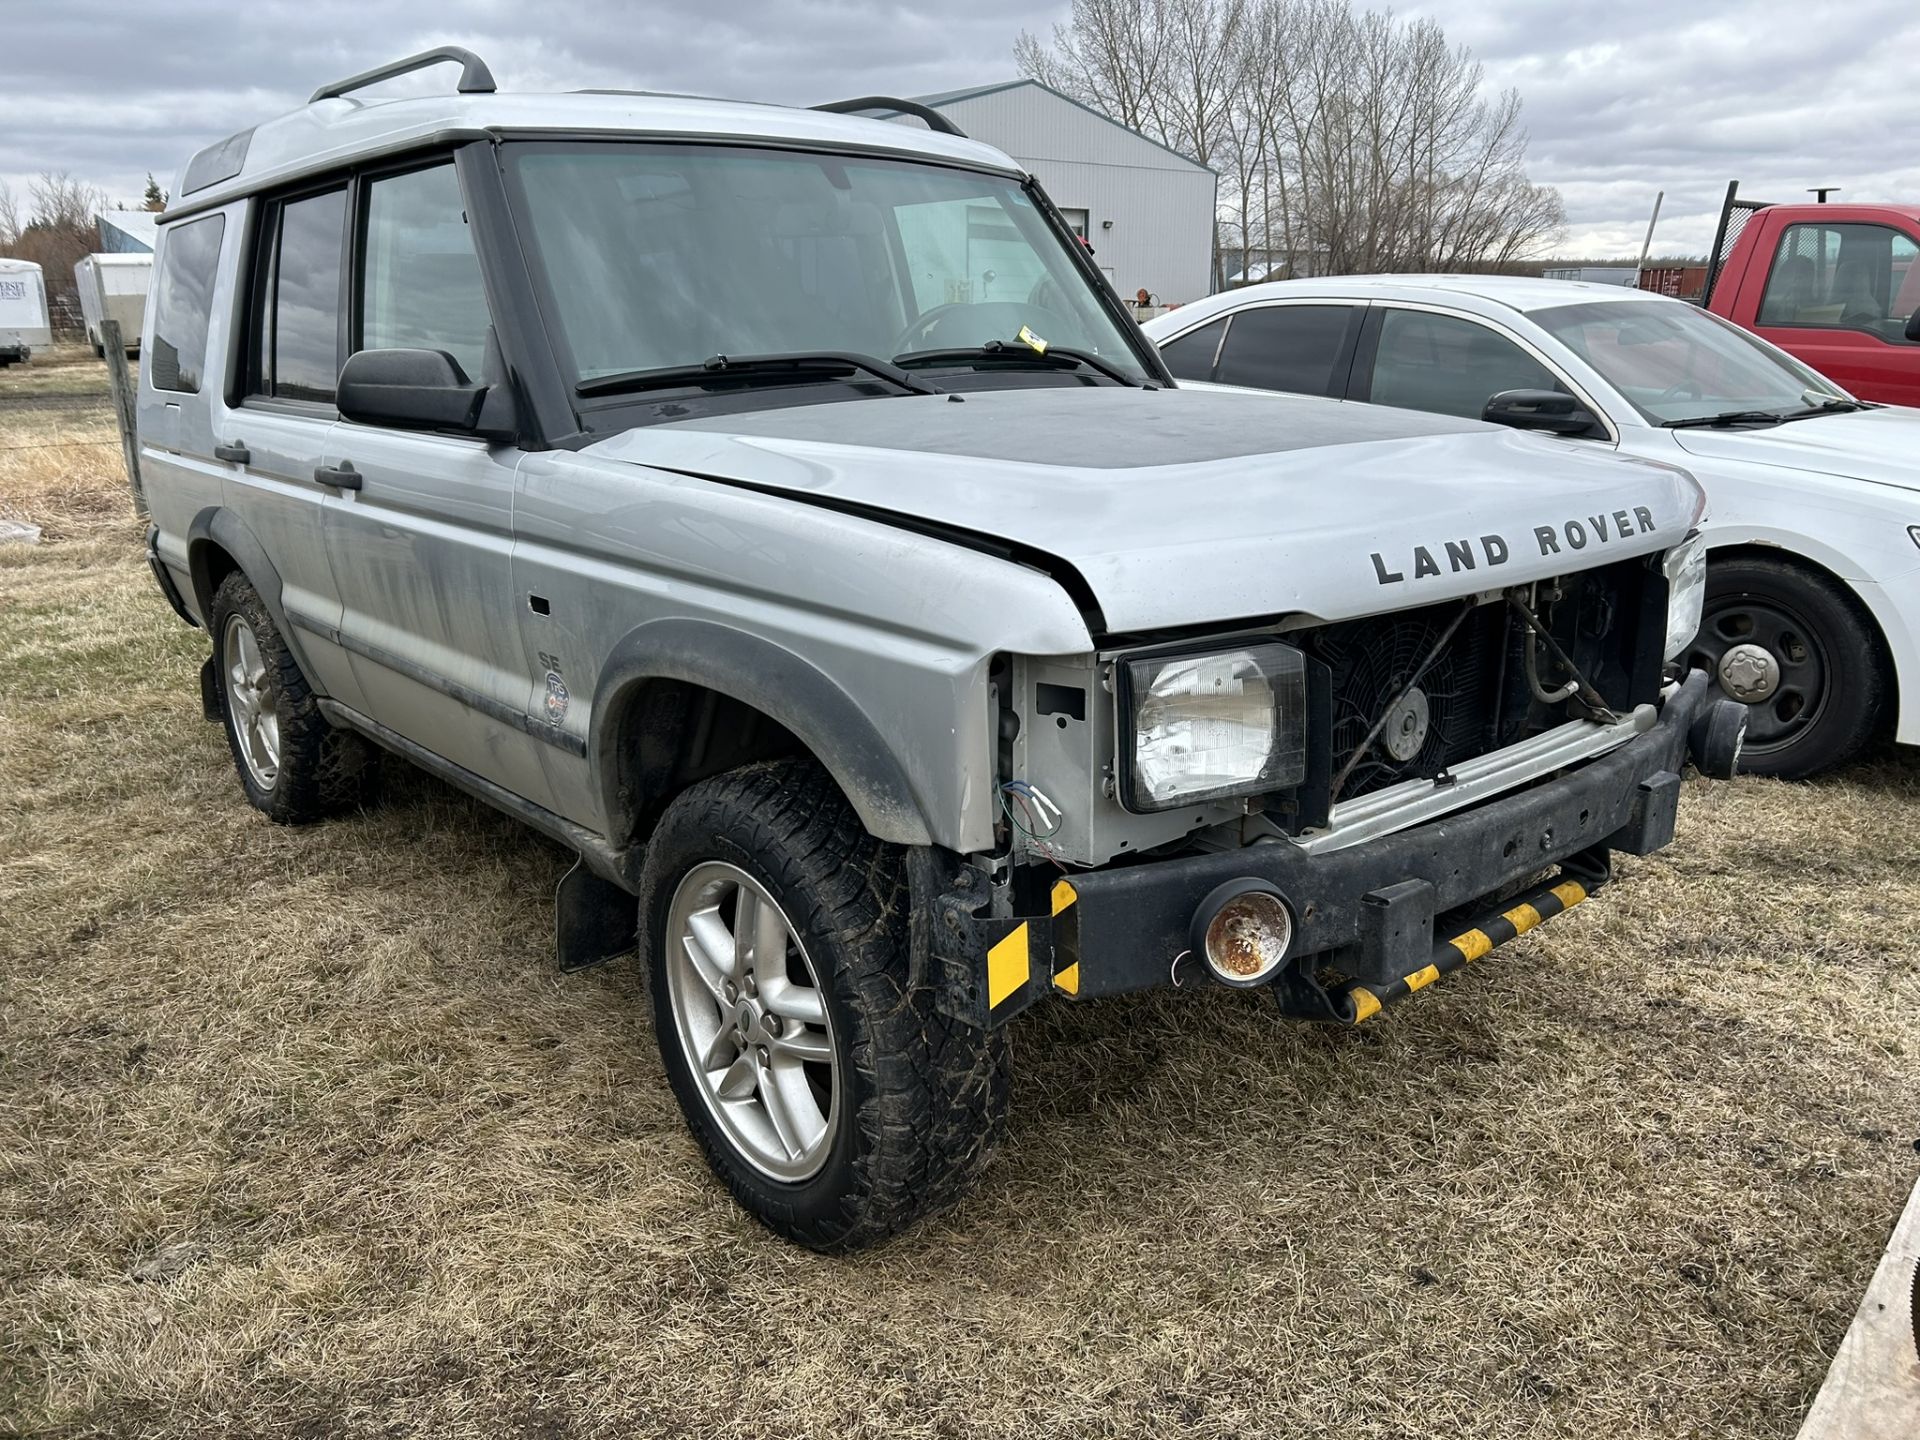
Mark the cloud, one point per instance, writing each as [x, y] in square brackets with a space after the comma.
[111, 91]
[1622, 99]
[1636, 96]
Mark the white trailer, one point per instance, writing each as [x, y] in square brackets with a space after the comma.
[23, 311]
[114, 287]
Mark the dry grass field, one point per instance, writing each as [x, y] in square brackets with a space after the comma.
[302, 1135]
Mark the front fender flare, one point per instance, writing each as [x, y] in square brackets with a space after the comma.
[780, 685]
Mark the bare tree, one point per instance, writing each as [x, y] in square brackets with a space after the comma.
[62, 229]
[1346, 140]
[9, 218]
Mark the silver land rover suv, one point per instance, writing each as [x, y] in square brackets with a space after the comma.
[777, 509]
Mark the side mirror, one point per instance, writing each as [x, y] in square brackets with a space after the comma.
[410, 389]
[1547, 410]
[1913, 327]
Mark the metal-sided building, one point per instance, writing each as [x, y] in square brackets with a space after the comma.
[1147, 211]
[127, 232]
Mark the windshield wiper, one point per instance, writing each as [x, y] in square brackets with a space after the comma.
[1002, 352]
[1732, 417]
[751, 369]
[1831, 405]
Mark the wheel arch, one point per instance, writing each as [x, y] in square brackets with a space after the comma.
[219, 543]
[679, 700]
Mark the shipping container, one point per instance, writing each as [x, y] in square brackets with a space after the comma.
[1682, 282]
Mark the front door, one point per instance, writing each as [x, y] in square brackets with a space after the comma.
[421, 540]
[1840, 296]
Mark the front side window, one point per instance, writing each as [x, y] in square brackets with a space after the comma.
[661, 256]
[420, 286]
[297, 324]
[1843, 277]
[1288, 347]
[1676, 362]
[1449, 366]
[183, 303]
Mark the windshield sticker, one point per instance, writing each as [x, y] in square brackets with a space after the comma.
[1028, 338]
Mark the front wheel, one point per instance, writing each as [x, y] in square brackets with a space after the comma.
[1796, 649]
[838, 1105]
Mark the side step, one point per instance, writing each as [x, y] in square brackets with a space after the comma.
[1349, 1002]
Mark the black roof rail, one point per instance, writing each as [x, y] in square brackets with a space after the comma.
[475, 77]
[867, 104]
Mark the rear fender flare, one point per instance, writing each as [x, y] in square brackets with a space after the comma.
[218, 528]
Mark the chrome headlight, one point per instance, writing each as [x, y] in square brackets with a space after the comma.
[1204, 726]
[1685, 567]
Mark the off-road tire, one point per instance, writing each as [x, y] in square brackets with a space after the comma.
[1855, 663]
[924, 1097]
[323, 770]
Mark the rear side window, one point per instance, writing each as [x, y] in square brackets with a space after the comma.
[297, 319]
[1288, 347]
[420, 288]
[1190, 357]
[183, 302]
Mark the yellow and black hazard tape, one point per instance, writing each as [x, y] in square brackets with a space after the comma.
[1010, 960]
[1534, 908]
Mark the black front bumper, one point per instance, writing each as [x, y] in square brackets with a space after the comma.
[1368, 910]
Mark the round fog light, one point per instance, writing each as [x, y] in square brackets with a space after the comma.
[1243, 931]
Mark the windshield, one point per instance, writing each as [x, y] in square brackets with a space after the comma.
[659, 256]
[1674, 362]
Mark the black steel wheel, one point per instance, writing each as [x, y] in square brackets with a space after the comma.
[1798, 651]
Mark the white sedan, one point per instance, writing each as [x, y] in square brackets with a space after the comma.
[1813, 582]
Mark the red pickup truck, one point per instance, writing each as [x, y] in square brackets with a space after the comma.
[1837, 286]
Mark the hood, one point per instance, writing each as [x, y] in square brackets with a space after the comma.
[1881, 447]
[1182, 507]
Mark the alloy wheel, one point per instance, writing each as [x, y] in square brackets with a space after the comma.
[753, 1021]
[253, 702]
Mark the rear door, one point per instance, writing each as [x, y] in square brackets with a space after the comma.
[1839, 296]
[273, 443]
[1302, 347]
[421, 541]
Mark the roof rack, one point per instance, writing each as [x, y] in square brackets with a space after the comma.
[475, 77]
[867, 104]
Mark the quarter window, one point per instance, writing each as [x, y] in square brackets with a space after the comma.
[1448, 366]
[297, 325]
[1190, 356]
[183, 303]
[421, 286]
[1288, 347]
[1843, 277]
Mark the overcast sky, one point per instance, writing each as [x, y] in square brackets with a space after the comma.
[1623, 98]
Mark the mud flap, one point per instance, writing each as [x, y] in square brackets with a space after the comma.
[594, 920]
[209, 692]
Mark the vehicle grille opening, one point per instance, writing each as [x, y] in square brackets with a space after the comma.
[1474, 697]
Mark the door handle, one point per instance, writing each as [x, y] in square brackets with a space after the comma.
[236, 452]
[341, 477]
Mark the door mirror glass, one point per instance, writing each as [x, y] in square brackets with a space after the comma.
[1552, 411]
[1913, 327]
[410, 390]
